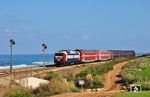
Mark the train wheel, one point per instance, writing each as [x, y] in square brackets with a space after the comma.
[58, 65]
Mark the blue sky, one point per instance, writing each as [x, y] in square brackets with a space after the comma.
[71, 24]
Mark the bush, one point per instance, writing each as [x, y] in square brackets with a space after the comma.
[137, 70]
[68, 74]
[96, 70]
[75, 89]
[18, 92]
[57, 87]
[104, 68]
[72, 87]
[42, 90]
[145, 86]
[128, 75]
[51, 75]
[54, 87]
[97, 82]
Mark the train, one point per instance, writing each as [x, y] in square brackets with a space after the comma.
[68, 57]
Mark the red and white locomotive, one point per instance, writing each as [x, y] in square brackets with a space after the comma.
[67, 57]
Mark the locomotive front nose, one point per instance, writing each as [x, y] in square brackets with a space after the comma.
[58, 58]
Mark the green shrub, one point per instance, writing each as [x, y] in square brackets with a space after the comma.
[98, 82]
[54, 87]
[57, 87]
[137, 71]
[96, 70]
[42, 90]
[128, 75]
[68, 74]
[145, 86]
[104, 68]
[71, 86]
[51, 75]
[95, 83]
[75, 89]
[18, 92]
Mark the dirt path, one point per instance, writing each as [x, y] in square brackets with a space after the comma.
[113, 77]
[111, 86]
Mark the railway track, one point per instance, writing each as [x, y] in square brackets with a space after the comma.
[39, 70]
[4, 75]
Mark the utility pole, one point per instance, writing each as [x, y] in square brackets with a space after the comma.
[12, 42]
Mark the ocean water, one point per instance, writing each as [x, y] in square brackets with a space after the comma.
[25, 60]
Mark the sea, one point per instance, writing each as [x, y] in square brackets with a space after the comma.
[25, 60]
[28, 60]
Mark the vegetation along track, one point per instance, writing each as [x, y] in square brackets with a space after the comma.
[110, 85]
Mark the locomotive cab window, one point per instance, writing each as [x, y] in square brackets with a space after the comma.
[58, 54]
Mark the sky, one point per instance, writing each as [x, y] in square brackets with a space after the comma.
[72, 24]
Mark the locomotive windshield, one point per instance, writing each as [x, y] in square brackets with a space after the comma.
[58, 54]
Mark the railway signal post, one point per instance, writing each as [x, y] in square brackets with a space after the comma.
[12, 42]
[44, 47]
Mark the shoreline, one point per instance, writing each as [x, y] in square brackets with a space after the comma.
[26, 66]
[23, 69]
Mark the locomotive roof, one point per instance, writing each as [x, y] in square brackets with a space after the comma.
[121, 50]
[84, 50]
[67, 51]
[87, 51]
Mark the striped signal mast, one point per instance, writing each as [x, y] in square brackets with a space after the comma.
[44, 47]
[12, 42]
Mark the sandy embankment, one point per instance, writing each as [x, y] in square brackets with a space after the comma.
[37, 72]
